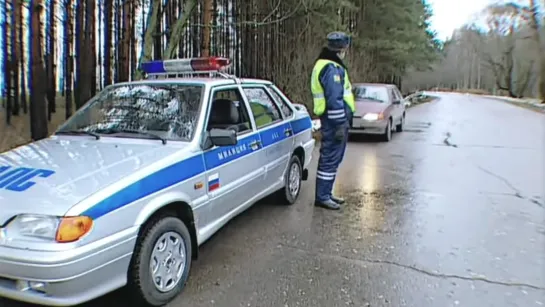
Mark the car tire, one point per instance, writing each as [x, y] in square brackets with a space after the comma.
[399, 128]
[387, 135]
[162, 241]
[293, 180]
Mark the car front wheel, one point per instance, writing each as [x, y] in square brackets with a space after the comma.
[161, 262]
[387, 135]
[399, 127]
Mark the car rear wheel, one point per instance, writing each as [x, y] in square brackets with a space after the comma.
[161, 262]
[399, 127]
[387, 135]
[293, 180]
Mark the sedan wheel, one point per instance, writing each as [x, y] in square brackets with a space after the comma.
[292, 180]
[387, 136]
[399, 127]
[161, 262]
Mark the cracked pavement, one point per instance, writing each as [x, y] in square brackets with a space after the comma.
[449, 213]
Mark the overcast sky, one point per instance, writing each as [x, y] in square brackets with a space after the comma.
[452, 14]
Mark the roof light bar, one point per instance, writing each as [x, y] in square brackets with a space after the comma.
[191, 65]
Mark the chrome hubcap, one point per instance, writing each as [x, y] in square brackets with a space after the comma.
[293, 180]
[167, 263]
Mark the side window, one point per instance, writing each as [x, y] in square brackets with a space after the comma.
[286, 110]
[398, 93]
[227, 111]
[264, 110]
[393, 95]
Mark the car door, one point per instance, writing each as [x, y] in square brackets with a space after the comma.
[394, 107]
[402, 106]
[275, 132]
[233, 173]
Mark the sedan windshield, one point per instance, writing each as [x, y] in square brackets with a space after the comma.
[371, 93]
[154, 110]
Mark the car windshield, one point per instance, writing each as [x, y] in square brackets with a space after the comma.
[371, 93]
[156, 110]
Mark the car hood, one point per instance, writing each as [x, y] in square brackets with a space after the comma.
[364, 106]
[69, 170]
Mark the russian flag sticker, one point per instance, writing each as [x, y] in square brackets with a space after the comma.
[213, 182]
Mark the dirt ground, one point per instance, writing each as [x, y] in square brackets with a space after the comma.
[18, 133]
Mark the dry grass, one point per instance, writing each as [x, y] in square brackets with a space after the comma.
[18, 133]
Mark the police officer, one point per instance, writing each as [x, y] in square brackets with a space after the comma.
[334, 104]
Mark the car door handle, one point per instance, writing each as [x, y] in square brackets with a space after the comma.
[255, 143]
[288, 131]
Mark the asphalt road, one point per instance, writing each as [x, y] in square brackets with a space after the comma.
[449, 213]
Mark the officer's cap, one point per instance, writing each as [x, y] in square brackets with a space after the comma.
[338, 40]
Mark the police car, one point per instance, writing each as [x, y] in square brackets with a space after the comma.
[125, 192]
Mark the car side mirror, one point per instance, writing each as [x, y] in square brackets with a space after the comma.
[396, 102]
[221, 137]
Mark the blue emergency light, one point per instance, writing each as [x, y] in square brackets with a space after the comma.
[180, 66]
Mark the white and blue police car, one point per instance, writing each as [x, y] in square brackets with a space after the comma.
[128, 188]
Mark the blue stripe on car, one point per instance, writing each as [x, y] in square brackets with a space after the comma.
[157, 181]
[274, 135]
[192, 167]
[301, 125]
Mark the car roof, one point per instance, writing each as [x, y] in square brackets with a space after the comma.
[214, 81]
[375, 84]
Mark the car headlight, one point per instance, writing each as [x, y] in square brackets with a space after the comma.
[60, 229]
[371, 116]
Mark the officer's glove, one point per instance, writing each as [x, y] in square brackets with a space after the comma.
[339, 133]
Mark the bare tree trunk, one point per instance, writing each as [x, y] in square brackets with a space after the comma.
[158, 36]
[51, 75]
[85, 89]
[80, 53]
[15, 55]
[6, 58]
[134, 42]
[125, 44]
[148, 37]
[178, 29]
[38, 116]
[207, 19]
[69, 58]
[108, 12]
[21, 54]
[91, 39]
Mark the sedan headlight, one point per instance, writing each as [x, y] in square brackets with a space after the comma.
[371, 116]
[60, 229]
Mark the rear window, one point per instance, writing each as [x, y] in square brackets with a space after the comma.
[286, 110]
[167, 110]
[371, 93]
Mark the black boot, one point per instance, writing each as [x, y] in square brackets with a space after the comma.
[338, 200]
[328, 204]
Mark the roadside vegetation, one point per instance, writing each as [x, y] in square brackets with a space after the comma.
[56, 54]
[501, 52]
[53, 61]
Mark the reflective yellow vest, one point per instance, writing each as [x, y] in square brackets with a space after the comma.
[318, 90]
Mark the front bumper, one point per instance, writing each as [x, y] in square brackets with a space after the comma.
[363, 126]
[66, 278]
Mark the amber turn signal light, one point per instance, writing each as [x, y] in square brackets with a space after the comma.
[73, 228]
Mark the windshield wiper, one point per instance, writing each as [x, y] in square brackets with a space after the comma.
[79, 132]
[148, 134]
